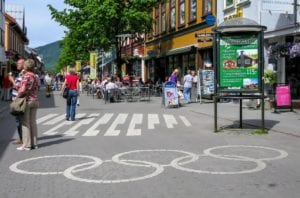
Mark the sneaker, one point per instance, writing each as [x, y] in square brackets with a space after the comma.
[17, 141]
[34, 147]
[22, 148]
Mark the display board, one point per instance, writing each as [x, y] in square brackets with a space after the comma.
[170, 94]
[239, 68]
[207, 82]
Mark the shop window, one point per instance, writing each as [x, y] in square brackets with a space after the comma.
[193, 10]
[181, 15]
[163, 17]
[207, 7]
[185, 63]
[172, 14]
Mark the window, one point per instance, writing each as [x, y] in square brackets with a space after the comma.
[156, 21]
[193, 10]
[1, 37]
[228, 3]
[172, 14]
[151, 31]
[181, 15]
[163, 17]
[207, 7]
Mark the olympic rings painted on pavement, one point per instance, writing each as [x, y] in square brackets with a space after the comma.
[14, 167]
[177, 163]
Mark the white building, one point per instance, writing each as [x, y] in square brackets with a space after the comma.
[2, 27]
[282, 38]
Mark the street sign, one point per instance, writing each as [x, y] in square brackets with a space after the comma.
[210, 19]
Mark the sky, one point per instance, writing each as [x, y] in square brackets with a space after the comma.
[41, 29]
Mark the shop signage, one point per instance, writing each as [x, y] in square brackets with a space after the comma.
[93, 62]
[238, 69]
[170, 94]
[283, 95]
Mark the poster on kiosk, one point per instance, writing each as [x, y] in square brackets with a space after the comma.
[170, 94]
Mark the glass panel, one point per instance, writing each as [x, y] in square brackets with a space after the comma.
[173, 17]
[193, 9]
[229, 3]
[182, 14]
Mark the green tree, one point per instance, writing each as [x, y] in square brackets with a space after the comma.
[94, 24]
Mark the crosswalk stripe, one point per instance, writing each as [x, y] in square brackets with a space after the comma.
[152, 120]
[185, 121]
[111, 131]
[103, 120]
[56, 120]
[42, 119]
[72, 131]
[170, 121]
[53, 131]
[136, 119]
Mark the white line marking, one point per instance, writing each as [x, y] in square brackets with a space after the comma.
[54, 131]
[42, 119]
[170, 120]
[111, 131]
[185, 121]
[103, 120]
[136, 119]
[56, 120]
[72, 131]
[152, 120]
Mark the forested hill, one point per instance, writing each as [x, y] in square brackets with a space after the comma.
[50, 54]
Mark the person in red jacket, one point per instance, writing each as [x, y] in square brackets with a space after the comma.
[7, 85]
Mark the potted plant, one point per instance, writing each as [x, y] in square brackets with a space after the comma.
[270, 80]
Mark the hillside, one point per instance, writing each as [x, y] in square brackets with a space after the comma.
[50, 54]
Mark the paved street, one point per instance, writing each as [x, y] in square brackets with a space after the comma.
[144, 150]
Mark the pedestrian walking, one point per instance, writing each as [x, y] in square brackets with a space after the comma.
[72, 82]
[187, 86]
[80, 90]
[48, 84]
[28, 89]
[16, 85]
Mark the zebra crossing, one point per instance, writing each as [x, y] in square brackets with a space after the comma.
[109, 124]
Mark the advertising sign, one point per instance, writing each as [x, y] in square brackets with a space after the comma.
[283, 95]
[170, 94]
[238, 69]
[78, 65]
[207, 82]
[93, 62]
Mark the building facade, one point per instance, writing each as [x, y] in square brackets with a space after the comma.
[15, 41]
[282, 38]
[172, 43]
[2, 25]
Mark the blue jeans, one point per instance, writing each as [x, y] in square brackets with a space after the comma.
[187, 94]
[71, 105]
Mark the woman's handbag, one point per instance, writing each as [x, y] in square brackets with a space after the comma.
[66, 93]
[18, 106]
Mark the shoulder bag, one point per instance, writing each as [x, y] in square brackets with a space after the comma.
[18, 106]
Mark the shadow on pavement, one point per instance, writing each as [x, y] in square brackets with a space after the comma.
[46, 102]
[49, 137]
[251, 124]
[45, 144]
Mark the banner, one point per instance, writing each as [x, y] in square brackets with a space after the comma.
[78, 65]
[93, 63]
[239, 63]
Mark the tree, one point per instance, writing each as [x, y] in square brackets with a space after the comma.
[94, 24]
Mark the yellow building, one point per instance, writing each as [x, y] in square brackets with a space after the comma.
[172, 43]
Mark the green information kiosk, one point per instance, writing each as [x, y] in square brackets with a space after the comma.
[239, 63]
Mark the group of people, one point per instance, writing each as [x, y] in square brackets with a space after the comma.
[190, 81]
[26, 85]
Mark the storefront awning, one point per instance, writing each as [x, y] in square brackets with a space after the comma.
[181, 50]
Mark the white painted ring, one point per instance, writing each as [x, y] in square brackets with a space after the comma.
[14, 167]
[116, 158]
[68, 173]
[282, 153]
[260, 166]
